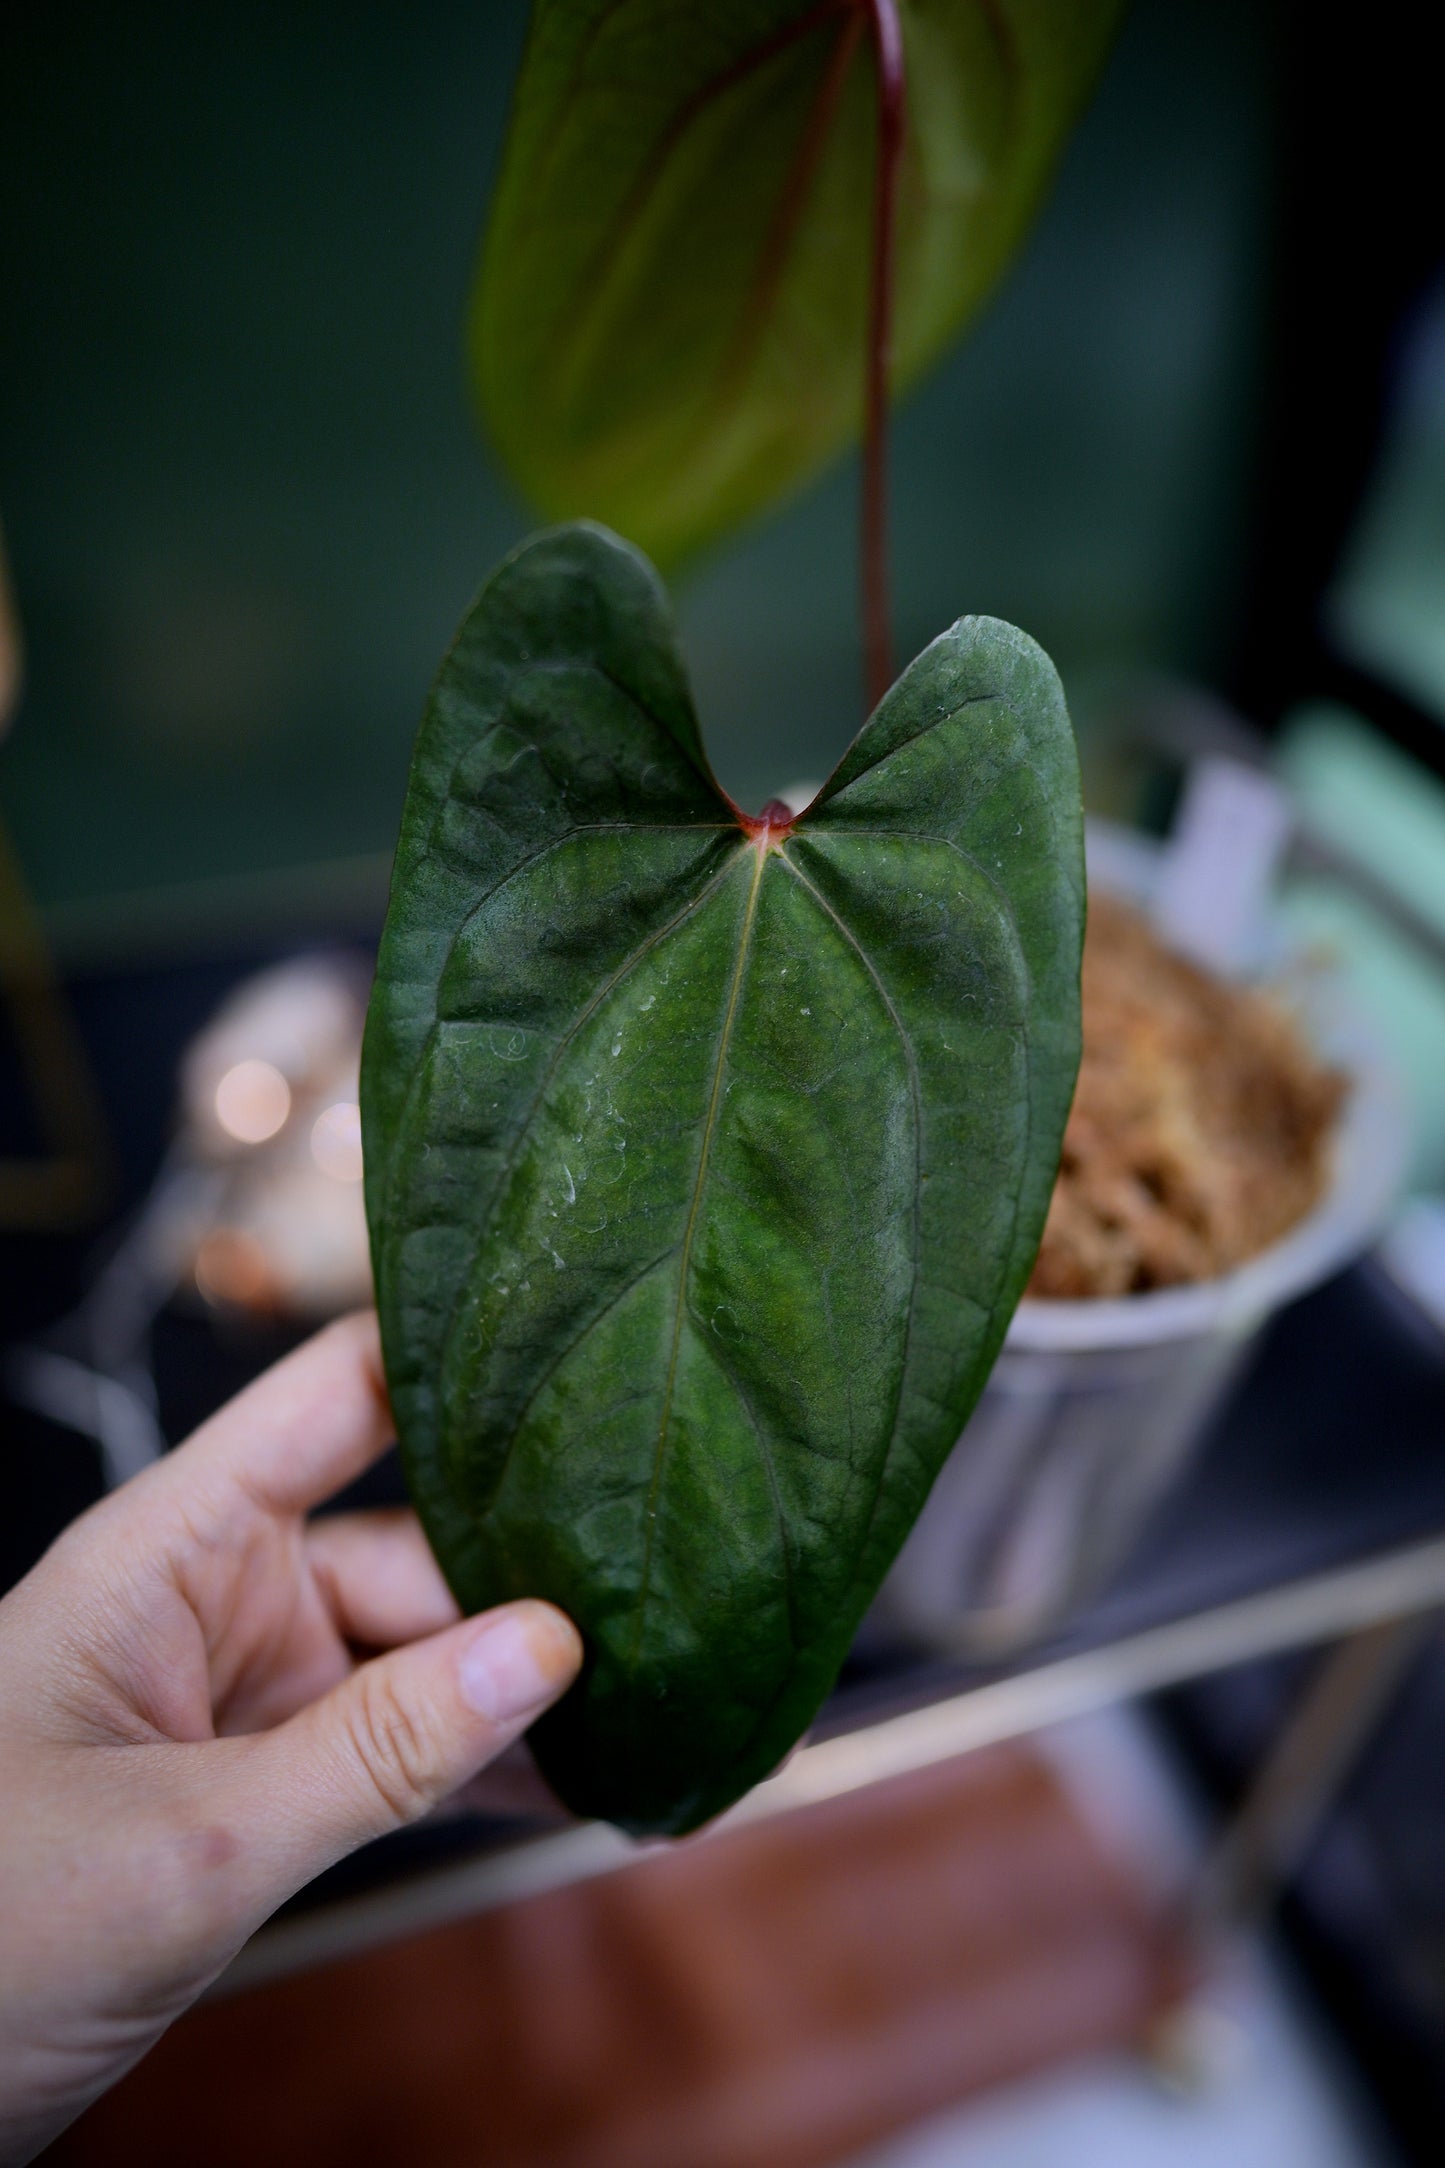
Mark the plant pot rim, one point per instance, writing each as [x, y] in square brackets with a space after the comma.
[1369, 1153]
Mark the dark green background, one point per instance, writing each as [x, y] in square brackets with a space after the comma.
[246, 503]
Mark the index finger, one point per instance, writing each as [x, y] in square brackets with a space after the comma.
[308, 1426]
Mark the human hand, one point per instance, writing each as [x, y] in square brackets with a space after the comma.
[186, 1733]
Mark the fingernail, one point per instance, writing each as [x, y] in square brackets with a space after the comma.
[521, 1659]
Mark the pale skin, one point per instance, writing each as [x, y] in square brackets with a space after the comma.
[189, 1731]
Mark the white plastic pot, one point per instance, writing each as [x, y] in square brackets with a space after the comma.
[1093, 1406]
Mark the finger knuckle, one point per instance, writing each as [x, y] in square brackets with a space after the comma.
[395, 1747]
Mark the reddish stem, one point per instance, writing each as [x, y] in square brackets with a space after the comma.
[877, 627]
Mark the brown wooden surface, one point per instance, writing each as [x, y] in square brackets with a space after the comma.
[775, 1998]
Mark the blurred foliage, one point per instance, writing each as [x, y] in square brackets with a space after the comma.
[246, 504]
[669, 326]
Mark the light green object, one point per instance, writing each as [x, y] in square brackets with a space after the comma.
[1385, 608]
[669, 329]
[1381, 807]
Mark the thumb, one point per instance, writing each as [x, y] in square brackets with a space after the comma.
[403, 1732]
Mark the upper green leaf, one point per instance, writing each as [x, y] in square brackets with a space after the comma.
[705, 1160]
[669, 328]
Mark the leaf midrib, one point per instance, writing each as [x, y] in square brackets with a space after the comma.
[762, 853]
[915, 1093]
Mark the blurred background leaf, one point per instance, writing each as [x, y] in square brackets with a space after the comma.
[245, 499]
[668, 327]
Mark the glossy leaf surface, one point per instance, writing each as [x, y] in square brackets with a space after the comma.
[668, 330]
[705, 1160]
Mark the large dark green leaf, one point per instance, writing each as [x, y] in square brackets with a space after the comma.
[668, 330]
[705, 1162]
